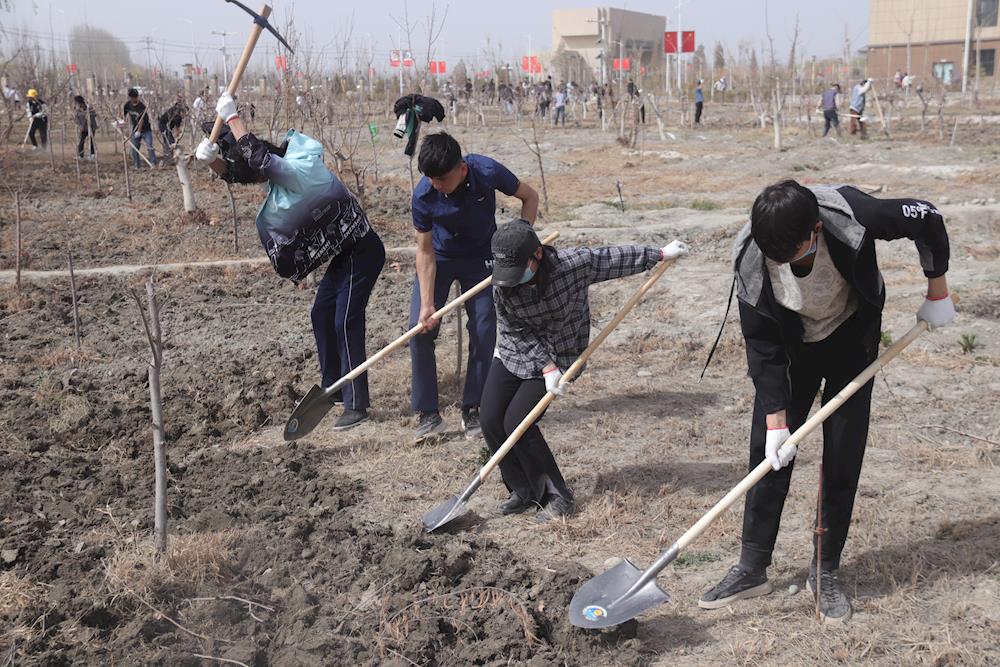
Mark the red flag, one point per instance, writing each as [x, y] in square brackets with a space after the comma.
[442, 67]
[280, 63]
[670, 42]
[621, 64]
[687, 41]
[395, 58]
[434, 67]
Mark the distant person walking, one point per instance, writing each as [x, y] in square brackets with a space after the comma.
[560, 107]
[858, 107]
[138, 118]
[699, 102]
[829, 102]
[38, 116]
[86, 126]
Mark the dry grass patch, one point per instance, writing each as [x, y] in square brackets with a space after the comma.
[190, 561]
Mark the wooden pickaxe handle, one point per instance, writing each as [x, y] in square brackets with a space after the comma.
[234, 82]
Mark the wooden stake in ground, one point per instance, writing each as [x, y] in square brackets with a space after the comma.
[236, 225]
[154, 336]
[17, 240]
[537, 150]
[128, 182]
[72, 291]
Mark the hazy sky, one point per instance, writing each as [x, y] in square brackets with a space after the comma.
[174, 24]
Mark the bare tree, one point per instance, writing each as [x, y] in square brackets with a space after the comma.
[154, 336]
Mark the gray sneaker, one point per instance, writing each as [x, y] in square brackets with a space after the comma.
[834, 605]
[430, 425]
[350, 419]
[738, 584]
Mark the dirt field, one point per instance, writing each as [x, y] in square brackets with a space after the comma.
[312, 553]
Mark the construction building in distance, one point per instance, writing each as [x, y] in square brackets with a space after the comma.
[933, 38]
[595, 37]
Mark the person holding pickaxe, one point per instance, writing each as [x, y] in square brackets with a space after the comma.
[810, 297]
[308, 219]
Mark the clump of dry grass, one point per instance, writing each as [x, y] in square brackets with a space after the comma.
[16, 593]
[67, 355]
[190, 561]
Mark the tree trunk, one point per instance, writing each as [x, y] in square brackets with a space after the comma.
[184, 176]
[156, 405]
[76, 310]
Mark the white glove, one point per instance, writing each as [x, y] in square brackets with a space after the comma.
[937, 312]
[552, 377]
[226, 107]
[776, 451]
[673, 250]
[207, 151]
[137, 134]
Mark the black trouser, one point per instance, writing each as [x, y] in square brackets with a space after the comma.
[529, 469]
[338, 316]
[837, 359]
[83, 134]
[697, 111]
[41, 126]
[830, 119]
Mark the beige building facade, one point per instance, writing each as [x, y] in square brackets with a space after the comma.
[601, 34]
[926, 38]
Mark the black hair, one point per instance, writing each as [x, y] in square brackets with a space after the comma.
[79, 100]
[782, 218]
[439, 154]
[132, 92]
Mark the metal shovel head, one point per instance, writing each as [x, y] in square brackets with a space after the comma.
[602, 603]
[443, 513]
[307, 414]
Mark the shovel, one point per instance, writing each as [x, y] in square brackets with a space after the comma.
[454, 507]
[625, 591]
[318, 401]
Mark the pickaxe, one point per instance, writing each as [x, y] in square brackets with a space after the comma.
[260, 23]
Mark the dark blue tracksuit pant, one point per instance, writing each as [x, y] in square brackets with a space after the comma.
[482, 327]
[338, 315]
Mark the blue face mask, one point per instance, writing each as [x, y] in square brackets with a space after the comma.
[528, 275]
[807, 253]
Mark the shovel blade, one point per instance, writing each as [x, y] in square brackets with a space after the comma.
[602, 602]
[307, 414]
[444, 513]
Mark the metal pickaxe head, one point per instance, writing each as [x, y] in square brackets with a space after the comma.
[262, 22]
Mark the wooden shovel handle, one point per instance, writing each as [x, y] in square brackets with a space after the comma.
[831, 406]
[571, 372]
[234, 81]
[419, 328]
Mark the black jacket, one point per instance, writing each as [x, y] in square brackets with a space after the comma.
[852, 221]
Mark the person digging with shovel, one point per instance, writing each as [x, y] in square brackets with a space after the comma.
[543, 325]
[309, 218]
[810, 297]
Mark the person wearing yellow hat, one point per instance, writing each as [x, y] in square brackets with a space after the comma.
[38, 116]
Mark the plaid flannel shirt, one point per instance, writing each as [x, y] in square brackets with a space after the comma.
[550, 322]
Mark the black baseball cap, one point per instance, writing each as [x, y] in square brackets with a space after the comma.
[513, 245]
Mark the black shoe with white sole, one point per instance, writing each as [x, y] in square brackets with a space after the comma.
[834, 605]
[470, 423]
[738, 584]
[350, 419]
[431, 424]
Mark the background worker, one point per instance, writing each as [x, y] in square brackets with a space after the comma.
[309, 218]
[810, 297]
[699, 102]
[38, 116]
[828, 102]
[858, 94]
[86, 126]
[454, 214]
[543, 316]
[136, 114]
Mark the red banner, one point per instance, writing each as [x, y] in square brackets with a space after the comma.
[407, 58]
[280, 63]
[442, 67]
[619, 64]
[531, 64]
[71, 68]
[438, 67]
[670, 42]
[687, 41]
[395, 58]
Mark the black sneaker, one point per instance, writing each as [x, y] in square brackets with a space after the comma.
[430, 425]
[738, 584]
[557, 508]
[470, 423]
[834, 605]
[515, 504]
[350, 419]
